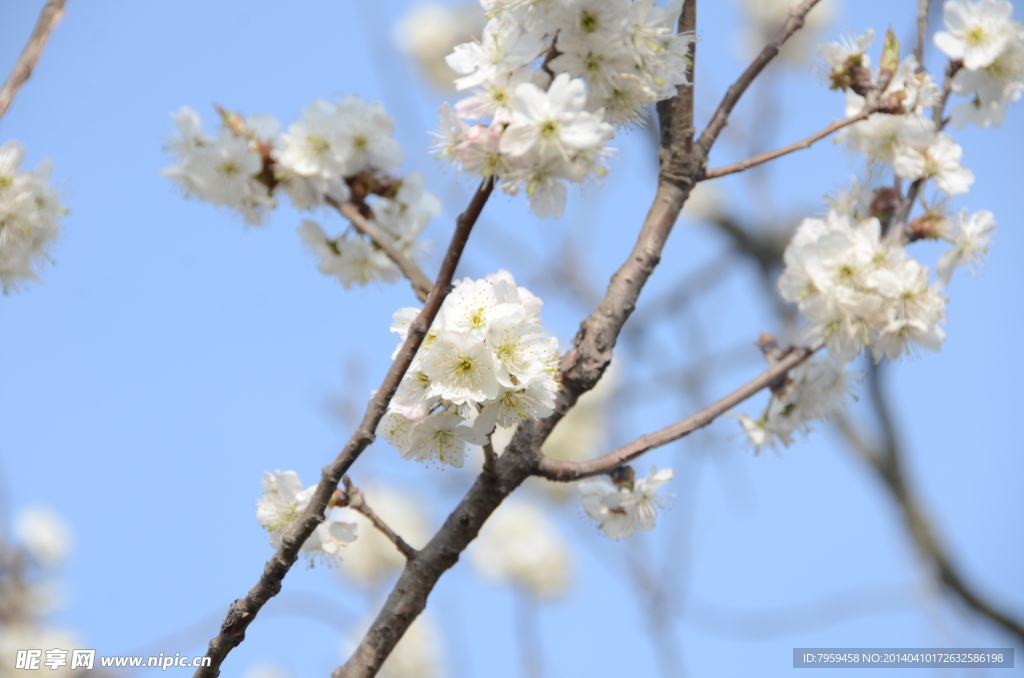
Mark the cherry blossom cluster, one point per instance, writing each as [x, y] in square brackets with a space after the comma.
[30, 213]
[486, 361]
[987, 42]
[337, 153]
[898, 136]
[812, 391]
[857, 291]
[548, 81]
[282, 504]
[623, 504]
[851, 273]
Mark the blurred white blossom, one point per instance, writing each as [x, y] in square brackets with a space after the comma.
[30, 213]
[521, 545]
[45, 535]
[624, 507]
[280, 507]
[429, 31]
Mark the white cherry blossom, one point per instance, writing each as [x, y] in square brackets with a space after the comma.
[976, 32]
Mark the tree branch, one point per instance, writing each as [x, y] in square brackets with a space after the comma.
[244, 610]
[762, 158]
[581, 368]
[490, 458]
[355, 500]
[896, 234]
[421, 284]
[721, 117]
[886, 459]
[567, 471]
[922, 30]
[52, 12]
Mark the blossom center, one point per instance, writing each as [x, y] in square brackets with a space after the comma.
[976, 36]
[318, 145]
[589, 22]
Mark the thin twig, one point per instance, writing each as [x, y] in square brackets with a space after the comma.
[762, 158]
[896, 233]
[244, 610]
[922, 30]
[886, 459]
[721, 117]
[421, 284]
[48, 18]
[356, 501]
[490, 458]
[566, 471]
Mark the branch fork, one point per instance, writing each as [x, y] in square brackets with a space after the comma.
[353, 498]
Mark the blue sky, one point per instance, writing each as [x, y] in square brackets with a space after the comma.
[173, 355]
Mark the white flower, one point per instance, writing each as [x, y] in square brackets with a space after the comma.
[973, 237]
[365, 137]
[45, 535]
[395, 428]
[334, 141]
[413, 399]
[822, 387]
[976, 31]
[405, 215]
[541, 176]
[595, 21]
[520, 348]
[553, 122]
[486, 360]
[816, 390]
[843, 55]
[879, 135]
[481, 154]
[461, 369]
[504, 46]
[281, 506]
[493, 98]
[902, 335]
[352, 260]
[852, 288]
[766, 432]
[622, 97]
[190, 127]
[441, 437]
[933, 156]
[520, 544]
[330, 537]
[991, 88]
[30, 214]
[224, 170]
[311, 146]
[622, 509]
[535, 400]
[596, 62]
